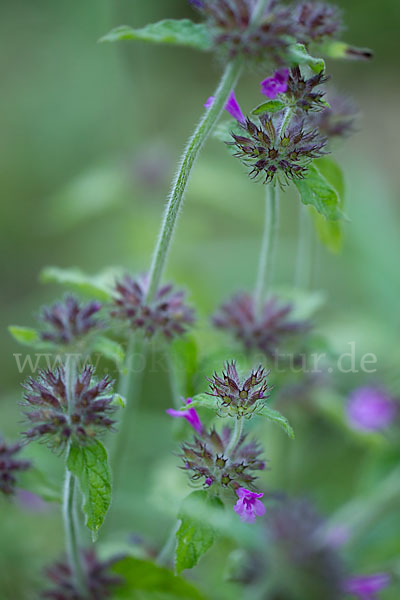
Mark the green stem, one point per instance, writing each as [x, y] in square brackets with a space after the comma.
[163, 557]
[268, 246]
[237, 433]
[70, 521]
[203, 130]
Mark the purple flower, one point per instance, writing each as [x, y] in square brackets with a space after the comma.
[277, 84]
[366, 587]
[370, 409]
[232, 107]
[248, 507]
[189, 414]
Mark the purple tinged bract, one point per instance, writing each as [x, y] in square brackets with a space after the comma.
[249, 507]
[189, 414]
[277, 84]
[370, 409]
[366, 587]
[232, 107]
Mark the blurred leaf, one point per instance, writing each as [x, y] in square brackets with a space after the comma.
[333, 173]
[339, 49]
[202, 401]
[169, 31]
[183, 353]
[275, 417]
[119, 400]
[89, 464]
[24, 335]
[196, 534]
[299, 56]
[93, 286]
[318, 192]
[272, 106]
[305, 303]
[37, 482]
[143, 580]
[110, 349]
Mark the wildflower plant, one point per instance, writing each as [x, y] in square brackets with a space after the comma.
[282, 142]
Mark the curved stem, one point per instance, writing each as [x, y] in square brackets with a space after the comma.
[305, 249]
[268, 246]
[237, 433]
[203, 130]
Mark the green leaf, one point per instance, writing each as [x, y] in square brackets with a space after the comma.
[202, 401]
[119, 401]
[24, 335]
[197, 531]
[37, 482]
[170, 31]
[272, 106]
[143, 580]
[333, 173]
[316, 191]
[339, 50]
[183, 353]
[93, 286]
[299, 55]
[275, 417]
[109, 349]
[89, 464]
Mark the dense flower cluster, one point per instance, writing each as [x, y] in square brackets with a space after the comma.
[56, 418]
[266, 331]
[301, 92]
[99, 581]
[167, 313]
[317, 21]
[69, 320]
[272, 155]
[205, 459]
[239, 397]
[10, 465]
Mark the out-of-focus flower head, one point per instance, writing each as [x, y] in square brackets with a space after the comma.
[206, 461]
[239, 397]
[100, 582]
[317, 21]
[189, 414]
[266, 331]
[272, 156]
[367, 587]
[10, 466]
[166, 314]
[249, 505]
[337, 121]
[56, 419]
[68, 321]
[371, 409]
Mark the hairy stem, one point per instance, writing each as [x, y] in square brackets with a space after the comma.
[69, 515]
[305, 249]
[268, 246]
[203, 130]
[237, 433]
[167, 550]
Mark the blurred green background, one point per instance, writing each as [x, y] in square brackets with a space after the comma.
[91, 136]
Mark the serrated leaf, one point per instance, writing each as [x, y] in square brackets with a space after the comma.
[24, 335]
[202, 401]
[76, 279]
[315, 190]
[272, 106]
[337, 49]
[144, 580]
[299, 55]
[37, 482]
[89, 464]
[170, 31]
[276, 417]
[197, 532]
[110, 349]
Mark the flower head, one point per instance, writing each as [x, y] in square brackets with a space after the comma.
[69, 321]
[10, 465]
[167, 313]
[301, 92]
[370, 409]
[240, 397]
[56, 419]
[277, 84]
[100, 582]
[270, 155]
[207, 461]
[189, 414]
[248, 507]
[233, 32]
[317, 21]
[366, 587]
[266, 331]
[232, 107]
